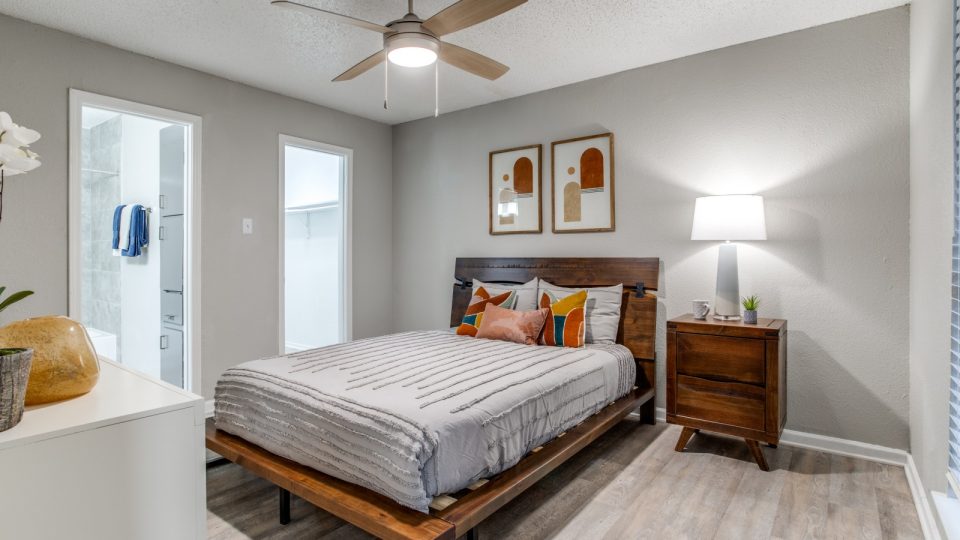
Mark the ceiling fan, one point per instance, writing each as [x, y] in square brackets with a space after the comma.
[414, 42]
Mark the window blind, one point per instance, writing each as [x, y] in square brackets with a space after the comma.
[954, 439]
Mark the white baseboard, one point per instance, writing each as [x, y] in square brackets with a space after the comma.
[928, 521]
[845, 447]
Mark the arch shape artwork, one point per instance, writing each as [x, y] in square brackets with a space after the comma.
[523, 177]
[507, 207]
[591, 170]
[583, 184]
[515, 190]
[571, 202]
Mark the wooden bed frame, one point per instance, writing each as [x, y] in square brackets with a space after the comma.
[462, 512]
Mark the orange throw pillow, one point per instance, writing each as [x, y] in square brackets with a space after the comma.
[474, 315]
[509, 325]
[565, 325]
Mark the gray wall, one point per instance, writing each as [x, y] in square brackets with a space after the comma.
[816, 121]
[239, 179]
[931, 228]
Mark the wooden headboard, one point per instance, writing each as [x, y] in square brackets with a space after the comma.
[638, 314]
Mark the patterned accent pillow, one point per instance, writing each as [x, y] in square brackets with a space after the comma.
[510, 325]
[565, 326]
[603, 309]
[526, 293]
[474, 315]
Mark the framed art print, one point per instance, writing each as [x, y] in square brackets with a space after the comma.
[515, 190]
[583, 198]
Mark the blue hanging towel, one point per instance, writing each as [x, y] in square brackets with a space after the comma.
[116, 226]
[139, 232]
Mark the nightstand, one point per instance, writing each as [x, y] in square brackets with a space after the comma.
[728, 377]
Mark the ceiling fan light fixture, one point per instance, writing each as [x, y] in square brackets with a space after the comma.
[412, 56]
[413, 42]
[412, 51]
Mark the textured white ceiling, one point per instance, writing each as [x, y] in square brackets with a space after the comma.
[547, 43]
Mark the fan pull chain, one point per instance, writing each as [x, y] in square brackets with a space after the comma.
[386, 79]
[436, 89]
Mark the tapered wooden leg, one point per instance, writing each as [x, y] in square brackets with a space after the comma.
[758, 456]
[473, 534]
[684, 438]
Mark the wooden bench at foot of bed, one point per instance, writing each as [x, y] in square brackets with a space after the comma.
[385, 518]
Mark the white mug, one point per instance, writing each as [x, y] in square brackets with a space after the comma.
[700, 309]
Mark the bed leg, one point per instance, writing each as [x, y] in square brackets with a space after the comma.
[473, 534]
[648, 412]
[284, 506]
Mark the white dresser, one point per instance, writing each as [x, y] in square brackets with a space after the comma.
[124, 462]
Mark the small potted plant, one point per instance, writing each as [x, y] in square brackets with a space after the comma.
[750, 305]
[15, 370]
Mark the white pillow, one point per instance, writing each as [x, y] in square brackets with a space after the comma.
[526, 293]
[602, 309]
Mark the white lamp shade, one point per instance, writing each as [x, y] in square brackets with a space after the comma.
[729, 217]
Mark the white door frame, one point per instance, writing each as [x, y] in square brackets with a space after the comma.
[346, 238]
[193, 125]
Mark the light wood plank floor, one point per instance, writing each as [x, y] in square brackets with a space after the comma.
[631, 484]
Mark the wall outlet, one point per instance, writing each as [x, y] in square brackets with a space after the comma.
[247, 225]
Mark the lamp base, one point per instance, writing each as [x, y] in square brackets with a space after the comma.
[727, 304]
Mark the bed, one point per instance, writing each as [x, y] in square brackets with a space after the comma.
[424, 434]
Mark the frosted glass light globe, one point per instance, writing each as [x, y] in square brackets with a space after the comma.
[412, 56]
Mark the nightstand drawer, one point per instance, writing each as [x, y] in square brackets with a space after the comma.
[733, 404]
[721, 358]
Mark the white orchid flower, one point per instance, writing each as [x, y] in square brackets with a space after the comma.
[14, 161]
[14, 134]
[15, 157]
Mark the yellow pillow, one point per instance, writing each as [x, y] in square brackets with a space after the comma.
[565, 326]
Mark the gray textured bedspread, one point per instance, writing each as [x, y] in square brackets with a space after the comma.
[418, 414]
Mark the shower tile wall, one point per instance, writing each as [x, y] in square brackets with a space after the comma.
[100, 183]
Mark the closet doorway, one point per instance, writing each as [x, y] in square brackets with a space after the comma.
[134, 230]
[315, 299]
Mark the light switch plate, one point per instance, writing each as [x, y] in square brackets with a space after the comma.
[247, 225]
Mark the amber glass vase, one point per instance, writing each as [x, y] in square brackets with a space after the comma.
[65, 364]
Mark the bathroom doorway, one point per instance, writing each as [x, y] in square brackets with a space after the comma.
[133, 231]
[314, 244]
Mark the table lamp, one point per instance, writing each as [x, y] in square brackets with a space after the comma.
[728, 218]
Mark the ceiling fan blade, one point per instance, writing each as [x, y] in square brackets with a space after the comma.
[331, 15]
[472, 62]
[467, 13]
[365, 65]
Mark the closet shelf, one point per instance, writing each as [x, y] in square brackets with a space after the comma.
[311, 207]
[111, 173]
